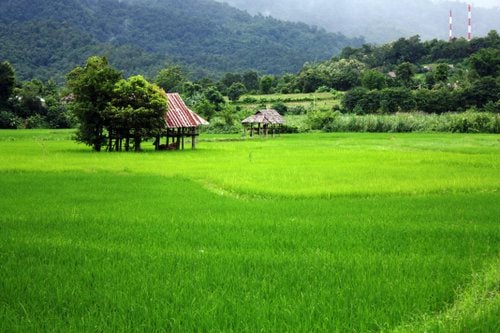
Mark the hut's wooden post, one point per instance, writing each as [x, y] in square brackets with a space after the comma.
[251, 129]
[258, 129]
[168, 137]
[193, 138]
[183, 131]
[178, 145]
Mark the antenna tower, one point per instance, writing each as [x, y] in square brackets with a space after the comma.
[469, 25]
[451, 26]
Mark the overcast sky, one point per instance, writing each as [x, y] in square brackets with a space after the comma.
[481, 3]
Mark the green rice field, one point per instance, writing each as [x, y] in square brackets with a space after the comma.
[341, 232]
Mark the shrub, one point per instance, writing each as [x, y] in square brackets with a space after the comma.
[322, 120]
[36, 121]
[467, 122]
[280, 107]
[297, 110]
[9, 120]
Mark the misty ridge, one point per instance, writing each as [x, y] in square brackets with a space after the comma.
[379, 21]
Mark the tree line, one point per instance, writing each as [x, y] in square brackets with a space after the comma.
[398, 76]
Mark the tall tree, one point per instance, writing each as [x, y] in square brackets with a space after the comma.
[7, 81]
[235, 91]
[171, 78]
[92, 86]
[137, 110]
[486, 62]
[405, 72]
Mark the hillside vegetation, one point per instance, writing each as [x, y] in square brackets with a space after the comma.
[45, 39]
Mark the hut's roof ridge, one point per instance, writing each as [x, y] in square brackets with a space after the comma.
[179, 115]
[267, 116]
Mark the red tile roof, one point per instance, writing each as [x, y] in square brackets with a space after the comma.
[179, 115]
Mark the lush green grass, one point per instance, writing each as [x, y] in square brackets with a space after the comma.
[317, 232]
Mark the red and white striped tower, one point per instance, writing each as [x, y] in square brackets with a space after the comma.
[451, 26]
[469, 26]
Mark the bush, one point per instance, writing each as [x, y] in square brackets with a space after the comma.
[323, 89]
[322, 120]
[493, 107]
[297, 110]
[9, 120]
[280, 107]
[36, 121]
[249, 100]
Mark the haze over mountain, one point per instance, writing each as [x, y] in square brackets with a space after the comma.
[381, 20]
[47, 38]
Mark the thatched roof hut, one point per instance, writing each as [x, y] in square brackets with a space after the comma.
[265, 120]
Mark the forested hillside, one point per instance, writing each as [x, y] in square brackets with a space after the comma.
[379, 20]
[46, 38]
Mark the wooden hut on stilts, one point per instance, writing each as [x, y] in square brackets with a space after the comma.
[263, 121]
[180, 122]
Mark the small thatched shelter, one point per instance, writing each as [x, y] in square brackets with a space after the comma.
[180, 122]
[264, 120]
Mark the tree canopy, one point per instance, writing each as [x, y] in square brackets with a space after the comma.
[93, 88]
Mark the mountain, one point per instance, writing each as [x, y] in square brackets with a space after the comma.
[379, 21]
[46, 38]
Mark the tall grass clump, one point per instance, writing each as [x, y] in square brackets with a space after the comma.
[466, 122]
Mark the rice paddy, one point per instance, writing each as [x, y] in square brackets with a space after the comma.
[303, 233]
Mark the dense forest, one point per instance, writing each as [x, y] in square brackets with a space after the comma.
[379, 21]
[44, 39]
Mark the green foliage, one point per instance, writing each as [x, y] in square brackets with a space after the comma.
[322, 120]
[266, 84]
[9, 120]
[215, 98]
[36, 121]
[405, 72]
[442, 73]
[353, 98]
[204, 108]
[486, 62]
[46, 38]
[482, 91]
[466, 122]
[235, 91]
[396, 99]
[373, 79]
[137, 110]
[170, 79]
[251, 81]
[7, 82]
[93, 88]
[343, 74]
[280, 107]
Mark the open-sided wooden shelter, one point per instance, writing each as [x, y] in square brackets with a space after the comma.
[180, 122]
[265, 120]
